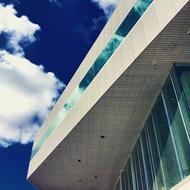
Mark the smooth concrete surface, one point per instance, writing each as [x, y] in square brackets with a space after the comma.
[115, 105]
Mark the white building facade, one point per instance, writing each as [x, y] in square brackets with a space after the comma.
[123, 122]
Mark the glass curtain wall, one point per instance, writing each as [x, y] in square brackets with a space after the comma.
[160, 159]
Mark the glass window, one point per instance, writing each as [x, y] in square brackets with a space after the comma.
[141, 166]
[146, 156]
[133, 16]
[166, 148]
[128, 23]
[181, 78]
[183, 72]
[124, 180]
[140, 180]
[160, 158]
[142, 5]
[178, 127]
[135, 169]
[129, 178]
[157, 167]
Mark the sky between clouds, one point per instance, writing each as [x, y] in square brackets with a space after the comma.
[106, 5]
[27, 92]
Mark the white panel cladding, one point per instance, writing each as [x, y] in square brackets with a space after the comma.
[129, 50]
[112, 25]
[151, 26]
[164, 10]
[179, 3]
[119, 114]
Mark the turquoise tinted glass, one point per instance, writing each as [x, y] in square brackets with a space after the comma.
[127, 181]
[154, 152]
[141, 165]
[124, 180]
[131, 19]
[180, 77]
[165, 144]
[182, 72]
[147, 162]
[160, 158]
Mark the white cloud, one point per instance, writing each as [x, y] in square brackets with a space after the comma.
[107, 5]
[18, 28]
[27, 92]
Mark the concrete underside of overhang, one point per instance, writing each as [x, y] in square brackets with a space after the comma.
[119, 115]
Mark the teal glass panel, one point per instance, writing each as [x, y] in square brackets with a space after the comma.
[183, 72]
[127, 181]
[126, 26]
[141, 167]
[124, 180]
[160, 158]
[129, 177]
[58, 119]
[134, 171]
[181, 77]
[133, 16]
[137, 169]
[147, 162]
[178, 127]
[154, 151]
[166, 147]
[101, 61]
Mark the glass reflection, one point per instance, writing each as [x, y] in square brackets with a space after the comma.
[128, 23]
[181, 77]
[141, 166]
[160, 158]
[178, 127]
[166, 147]
[124, 180]
[157, 165]
[147, 162]
[136, 168]
[130, 180]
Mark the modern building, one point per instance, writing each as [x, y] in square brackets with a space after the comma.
[123, 122]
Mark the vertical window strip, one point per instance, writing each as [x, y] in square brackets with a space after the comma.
[144, 164]
[183, 156]
[124, 179]
[172, 136]
[133, 173]
[179, 105]
[141, 166]
[151, 158]
[130, 176]
[135, 170]
[138, 168]
[120, 183]
[150, 133]
[158, 150]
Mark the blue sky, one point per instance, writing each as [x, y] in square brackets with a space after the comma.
[42, 43]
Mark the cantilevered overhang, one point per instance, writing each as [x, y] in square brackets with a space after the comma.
[115, 104]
